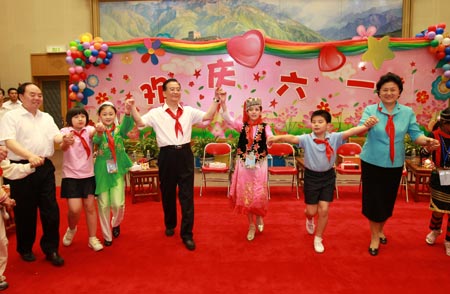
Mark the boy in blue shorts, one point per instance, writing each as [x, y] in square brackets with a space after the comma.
[320, 177]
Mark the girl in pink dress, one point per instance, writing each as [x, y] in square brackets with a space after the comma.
[249, 193]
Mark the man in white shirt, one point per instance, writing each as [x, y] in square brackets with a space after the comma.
[13, 101]
[172, 124]
[30, 135]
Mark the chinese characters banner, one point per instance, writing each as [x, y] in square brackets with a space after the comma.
[292, 79]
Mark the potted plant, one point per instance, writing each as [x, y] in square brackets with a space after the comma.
[411, 148]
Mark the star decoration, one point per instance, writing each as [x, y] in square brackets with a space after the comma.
[191, 84]
[128, 96]
[412, 64]
[378, 51]
[197, 73]
[256, 77]
[273, 103]
[363, 68]
[316, 79]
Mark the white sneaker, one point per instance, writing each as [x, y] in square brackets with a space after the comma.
[310, 226]
[447, 247]
[95, 244]
[318, 246]
[68, 236]
[431, 237]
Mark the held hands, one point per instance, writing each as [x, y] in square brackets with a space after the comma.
[35, 160]
[129, 104]
[271, 140]
[371, 121]
[100, 127]
[68, 139]
[220, 95]
[8, 202]
[431, 144]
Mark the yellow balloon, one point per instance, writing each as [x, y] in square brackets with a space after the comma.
[86, 37]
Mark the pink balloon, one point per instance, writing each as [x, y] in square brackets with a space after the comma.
[447, 74]
[80, 96]
[104, 47]
[79, 69]
[71, 70]
[92, 59]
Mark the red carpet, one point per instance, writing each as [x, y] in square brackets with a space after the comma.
[280, 260]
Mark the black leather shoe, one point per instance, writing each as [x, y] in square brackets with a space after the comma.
[55, 259]
[107, 243]
[169, 232]
[373, 251]
[116, 231]
[383, 240]
[28, 256]
[189, 243]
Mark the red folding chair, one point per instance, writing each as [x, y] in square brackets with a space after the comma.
[285, 150]
[211, 172]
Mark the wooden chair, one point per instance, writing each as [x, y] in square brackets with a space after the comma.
[211, 172]
[286, 150]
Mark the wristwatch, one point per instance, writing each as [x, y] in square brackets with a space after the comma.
[215, 99]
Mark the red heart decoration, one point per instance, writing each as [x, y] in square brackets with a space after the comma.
[278, 63]
[330, 58]
[247, 49]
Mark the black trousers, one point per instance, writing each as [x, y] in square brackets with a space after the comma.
[36, 191]
[176, 169]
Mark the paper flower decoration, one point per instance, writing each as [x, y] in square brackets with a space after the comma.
[363, 33]
[151, 51]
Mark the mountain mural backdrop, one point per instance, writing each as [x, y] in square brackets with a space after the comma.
[284, 20]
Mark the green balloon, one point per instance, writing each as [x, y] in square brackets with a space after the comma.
[87, 52]
[434, 43]
[78, 61]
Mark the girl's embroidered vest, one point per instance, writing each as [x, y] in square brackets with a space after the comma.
[259, 146]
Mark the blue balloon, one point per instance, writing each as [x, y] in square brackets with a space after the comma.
[94, 52]
[75, 88]
[439, 31]
[420, 35]
[447, 84]
[109, 54]
[447, 50]
[447, 58]
[106, 61]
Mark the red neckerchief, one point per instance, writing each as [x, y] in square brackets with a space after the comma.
[439, 134]
[176, 117]
[111, 145]
[328, 149]
[390, 131]
[83, 141]
[250, 131]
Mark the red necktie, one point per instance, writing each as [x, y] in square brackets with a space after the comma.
[111, 141]
[1, 171]
[390, 131]
[83, 141]
[176, 117]
[328, 148]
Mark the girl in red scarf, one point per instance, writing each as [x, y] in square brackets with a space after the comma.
[248, 192]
